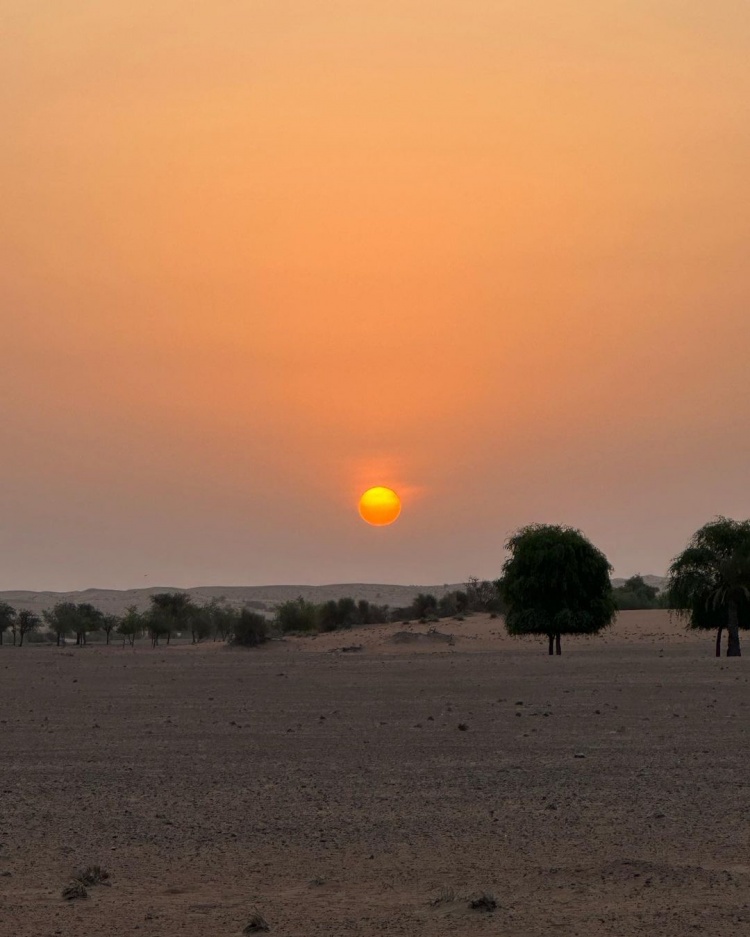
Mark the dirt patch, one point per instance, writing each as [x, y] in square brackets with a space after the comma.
[334, 794]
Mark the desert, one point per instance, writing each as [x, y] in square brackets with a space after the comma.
[350, 783]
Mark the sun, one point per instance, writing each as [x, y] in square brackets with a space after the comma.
[380, 506]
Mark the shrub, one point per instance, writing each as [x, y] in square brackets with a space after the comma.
[297, 615]
[250, 629]
[92, 875]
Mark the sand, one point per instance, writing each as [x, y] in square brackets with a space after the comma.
[603, 792]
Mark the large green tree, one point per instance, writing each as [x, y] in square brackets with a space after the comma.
[709, 582]
[555, 582]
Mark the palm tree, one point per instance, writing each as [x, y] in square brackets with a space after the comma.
[709, 582]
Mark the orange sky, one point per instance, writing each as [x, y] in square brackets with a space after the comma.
[257, 256]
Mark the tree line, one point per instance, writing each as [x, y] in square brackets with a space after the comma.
[554, 582]
[170, 613]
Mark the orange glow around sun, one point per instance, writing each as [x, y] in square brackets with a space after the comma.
[379, 506]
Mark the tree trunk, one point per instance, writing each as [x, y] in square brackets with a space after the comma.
[733, 632]
[551, 645]
[558, 649]
[718, 640]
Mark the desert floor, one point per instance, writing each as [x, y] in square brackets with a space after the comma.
[604, 792]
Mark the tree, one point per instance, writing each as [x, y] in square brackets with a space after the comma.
[555, 582]
[636, 593]
[109, 624]
[86, 619]
[7, 617]
[223, 618]
[25, 622]
[170, 611]
[61, 619]
[131, 625]
[201, 623]
[709, 582]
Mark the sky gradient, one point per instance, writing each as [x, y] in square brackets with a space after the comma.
[259, 256]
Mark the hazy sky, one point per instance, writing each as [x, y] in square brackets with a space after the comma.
[258, 255]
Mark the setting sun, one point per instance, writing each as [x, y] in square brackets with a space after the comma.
[379, 506]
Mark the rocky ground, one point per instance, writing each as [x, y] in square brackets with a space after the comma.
[377, 790]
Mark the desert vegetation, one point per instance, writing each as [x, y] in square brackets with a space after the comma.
[554, 582]
[636, 594]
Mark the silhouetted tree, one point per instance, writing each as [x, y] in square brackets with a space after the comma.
[555, 582]
[7, 617]
[709, 582]
[25, 622]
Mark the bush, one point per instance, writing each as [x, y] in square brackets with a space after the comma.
[636, 594]
[40, 637]
[297, 615]
[250, 629]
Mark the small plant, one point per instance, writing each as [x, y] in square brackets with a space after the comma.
[93, 875]
[74, 891]
[444, 896]
[256, 925]
[483, 901]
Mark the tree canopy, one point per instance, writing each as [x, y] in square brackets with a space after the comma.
[636, 593]
[555, 582]
[709, 582]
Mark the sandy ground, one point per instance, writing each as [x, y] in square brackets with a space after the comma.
[605, 792]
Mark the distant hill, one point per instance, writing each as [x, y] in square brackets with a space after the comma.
[263, 598]
[115, 601]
